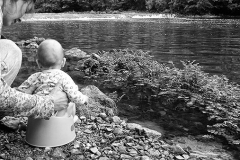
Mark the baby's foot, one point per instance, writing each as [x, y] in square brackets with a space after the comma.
[75, 118]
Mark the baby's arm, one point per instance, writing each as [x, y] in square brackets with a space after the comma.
[72, 91]
[28, 86]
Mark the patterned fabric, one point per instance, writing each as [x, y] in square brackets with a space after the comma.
[1, 16]
[46, 80]
[23, 104]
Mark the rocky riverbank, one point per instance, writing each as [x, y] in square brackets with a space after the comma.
[108, 130]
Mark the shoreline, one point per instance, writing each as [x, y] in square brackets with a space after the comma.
[73, 16]
[89, 16]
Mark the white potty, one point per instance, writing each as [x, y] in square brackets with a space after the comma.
[56, 131]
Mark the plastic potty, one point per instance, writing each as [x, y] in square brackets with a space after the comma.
[56, 131]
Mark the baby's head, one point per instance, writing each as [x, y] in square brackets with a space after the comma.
[50, 55]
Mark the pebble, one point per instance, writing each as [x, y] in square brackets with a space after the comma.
[145, 158]
[94, 150]
[103, 158]
[125, 156]
[116, 119]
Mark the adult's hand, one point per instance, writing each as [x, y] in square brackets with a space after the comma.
[59, 97]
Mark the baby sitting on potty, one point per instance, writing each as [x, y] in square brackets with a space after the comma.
[50, 59]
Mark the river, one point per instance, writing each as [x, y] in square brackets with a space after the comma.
[213, 43]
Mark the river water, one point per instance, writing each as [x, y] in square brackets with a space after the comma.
[213, 43]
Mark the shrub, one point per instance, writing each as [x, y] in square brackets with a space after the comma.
[135, 74]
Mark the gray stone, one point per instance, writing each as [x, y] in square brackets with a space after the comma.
[94, 150]
[125, 156]
[134, 126]
[116, 119]
[145, 158]
[98, 102]
[103, 158]
[118, 131]
[75, 151]
[152, 133]
[58, 153]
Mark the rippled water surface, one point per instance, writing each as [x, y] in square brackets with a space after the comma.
[214, 43]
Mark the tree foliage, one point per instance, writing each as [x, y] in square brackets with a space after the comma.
[193, 7]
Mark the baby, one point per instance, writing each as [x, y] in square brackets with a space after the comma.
[50, 59]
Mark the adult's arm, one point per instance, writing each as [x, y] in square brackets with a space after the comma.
[24, 104]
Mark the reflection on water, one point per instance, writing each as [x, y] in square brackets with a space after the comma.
[215, 44]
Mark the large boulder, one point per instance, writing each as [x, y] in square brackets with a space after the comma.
[98, 102]
[76, 54]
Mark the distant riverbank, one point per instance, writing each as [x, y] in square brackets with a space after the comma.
[86, 16]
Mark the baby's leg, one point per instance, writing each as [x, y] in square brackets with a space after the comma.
[62, 113]
[72, 111]
[69, 111]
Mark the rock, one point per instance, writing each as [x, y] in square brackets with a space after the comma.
[122, 149]
[103, 115]
[94, 150]
[75, 151]
[81, 157]
[151, 133]
[185, 156]
[163, 113]
[145, 158]
[132, 152]
[98, 102]
[177, 149]
[29, 158]
[82, 118]
[76, 54]
[47, 149]
[76, 144]
[179, 157]
[118, 131]
[166, 153]
[154, 152]
[58, 153]
[125, 156]
[103, 158]
[134, 126]
[87, 131]
[11, 122]
[116, 119]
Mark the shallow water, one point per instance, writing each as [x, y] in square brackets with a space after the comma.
[213, 43]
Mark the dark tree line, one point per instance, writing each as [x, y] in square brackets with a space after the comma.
[187, 7]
